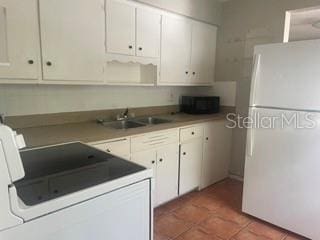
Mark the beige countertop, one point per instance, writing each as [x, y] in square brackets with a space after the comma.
[93, 132]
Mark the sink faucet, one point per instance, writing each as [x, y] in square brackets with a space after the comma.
[124, 115]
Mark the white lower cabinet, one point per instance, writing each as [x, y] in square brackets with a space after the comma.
[190, 159]
[202, 160]
[159, 151]
[147, 159]
[167, 173]
[165, 164]
[216, 152]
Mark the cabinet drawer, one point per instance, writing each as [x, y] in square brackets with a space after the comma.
[153, 140]
[190, 133]
[118, 147]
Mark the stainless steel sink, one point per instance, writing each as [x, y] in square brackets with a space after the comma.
[152, 120]
[134, 123]
[124, 124]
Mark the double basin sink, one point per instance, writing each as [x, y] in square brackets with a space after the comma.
[136, 122]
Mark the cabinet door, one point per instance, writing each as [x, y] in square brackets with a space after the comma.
[216, 153]
[148, 159]
[148, 33]
[167, 173]
[121, 23]
[190, 165]
[175, 51]
[203, 53]
[72, 34]
[19, 39]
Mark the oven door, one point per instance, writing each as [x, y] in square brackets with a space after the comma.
[121, 214]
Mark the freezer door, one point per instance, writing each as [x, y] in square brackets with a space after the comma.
[286, 75]
[282, 174]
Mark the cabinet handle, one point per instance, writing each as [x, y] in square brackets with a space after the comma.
[130, 46]
[153, 162]
[161, 160]
[49, 63]
[30, 61]
[140, 48]
[184, 153]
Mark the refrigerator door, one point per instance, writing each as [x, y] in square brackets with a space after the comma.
[286, 75]
[282, 173]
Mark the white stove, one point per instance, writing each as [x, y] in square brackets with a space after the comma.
[71, 192]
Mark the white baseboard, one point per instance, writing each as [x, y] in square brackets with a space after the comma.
[236, 177]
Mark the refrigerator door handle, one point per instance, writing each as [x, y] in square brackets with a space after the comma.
[250, 141]
[256, 65]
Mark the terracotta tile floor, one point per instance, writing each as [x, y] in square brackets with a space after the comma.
[213, 214]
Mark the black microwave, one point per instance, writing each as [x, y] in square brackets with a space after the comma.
[200, 104]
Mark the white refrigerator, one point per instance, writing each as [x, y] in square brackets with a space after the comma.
[282, 169]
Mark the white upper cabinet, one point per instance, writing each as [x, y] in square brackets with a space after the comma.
[121, 35]
[148, 33]
[132, 30]
[203, 53]
[175, 50]
[73, 39]
[187, 52]
[102, 42]
[19, 40]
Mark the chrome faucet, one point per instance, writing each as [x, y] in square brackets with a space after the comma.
[124, 115]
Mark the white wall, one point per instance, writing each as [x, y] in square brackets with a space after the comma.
[204, 10]
[246, 23]
[27, 99]
[18, 100]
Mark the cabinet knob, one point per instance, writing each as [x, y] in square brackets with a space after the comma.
[153, 162]
[187, 72]
[207, 138]
[49, 63]
[192, 133]
[140, 48]
[30, 61]
[130, 46]
[108, 150]
[184, 153]
[161, 160]
[194, 73]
